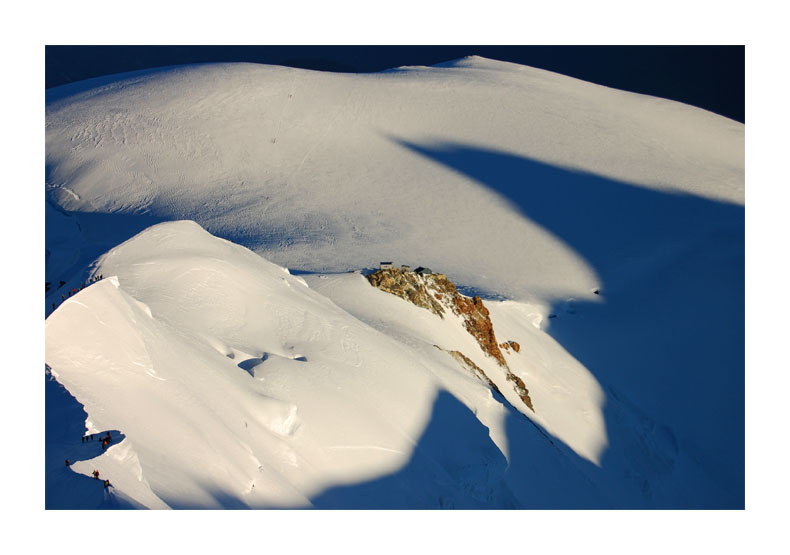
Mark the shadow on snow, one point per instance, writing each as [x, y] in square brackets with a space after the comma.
[666, 345]
[456, 465]
[667, 342]
[64, 426]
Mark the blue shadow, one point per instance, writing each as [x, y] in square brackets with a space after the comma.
[64, 426]
[74, 240]
[455, 465]
[667, 342]
[666, 345]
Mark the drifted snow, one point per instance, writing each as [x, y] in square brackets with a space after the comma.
[333, 172]
[161, 351]
[236, 384]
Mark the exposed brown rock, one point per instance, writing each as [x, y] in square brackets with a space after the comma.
[435, 292]
[521, 389]
[474, 369]
[507, 345]
[407, 286]
[474, 313]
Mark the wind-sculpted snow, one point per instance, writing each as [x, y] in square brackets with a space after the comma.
[318, 171]
[567, 399]
[608, 226]
[236, 385]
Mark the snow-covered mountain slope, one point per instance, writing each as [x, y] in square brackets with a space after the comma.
[609, 225]
[633, 460]
[234, 384]
[327, 171]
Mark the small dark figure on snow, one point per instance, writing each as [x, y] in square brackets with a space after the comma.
[68, 463]
[95, 474]
[106, 484]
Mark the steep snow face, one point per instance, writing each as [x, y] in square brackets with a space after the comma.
[330, 171]
[207, 357]
[611, 223]
[567, 398]
[227, 382]
[233, 384]
[633, 458]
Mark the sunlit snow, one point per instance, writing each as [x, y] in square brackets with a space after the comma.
[604, 230]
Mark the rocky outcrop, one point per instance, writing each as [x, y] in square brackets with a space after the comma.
[474, 369]
[407, 286]
[521, 389]
[510, 345]
[477, 372]
[438, 294]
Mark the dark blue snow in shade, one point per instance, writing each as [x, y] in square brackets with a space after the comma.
[670, 339]
[666, 344]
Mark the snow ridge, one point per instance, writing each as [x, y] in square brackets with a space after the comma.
[604, 229]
